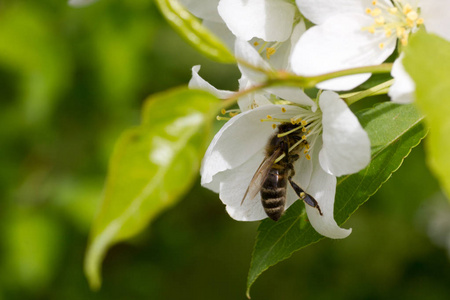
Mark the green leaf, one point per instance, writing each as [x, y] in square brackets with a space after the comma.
[192, 30]
[393, 130]
[427, 60]
[151, 167]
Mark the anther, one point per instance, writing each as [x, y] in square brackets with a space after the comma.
[308, 157]
[255, 44]
[283, 109]
[219, 118]
[223, 111]
[270, 51]
[269, 117]
[274, 126]
[304, 123]
[304, 137]
[303, 129]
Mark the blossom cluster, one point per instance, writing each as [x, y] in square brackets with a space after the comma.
[272, 35]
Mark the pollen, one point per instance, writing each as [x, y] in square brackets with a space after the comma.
[401, 18]
[307, 146]
[376, 12]
[274, 126]
[380, 20]
[223, 111]
[388, 32]
[255, 44]
[283, 109]
[269, 117]
[304, 137]
[308, 157]
[393, 10]
[305, 151]
[303, 129]
[304, 123]
[270, 51]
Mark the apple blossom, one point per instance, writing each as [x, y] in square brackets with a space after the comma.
[337, 145]
[356, 33]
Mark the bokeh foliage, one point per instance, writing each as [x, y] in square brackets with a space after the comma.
[71, 81]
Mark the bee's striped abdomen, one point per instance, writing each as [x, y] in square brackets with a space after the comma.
[273, 193]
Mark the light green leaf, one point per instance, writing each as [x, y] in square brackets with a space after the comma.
[427, 60]
[151, 167]
[393, 130]
[192, 30]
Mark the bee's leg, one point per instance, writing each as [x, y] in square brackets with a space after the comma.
[308, 199]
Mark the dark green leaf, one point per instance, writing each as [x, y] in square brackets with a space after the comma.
[152, 166]
[393, 130]
[192, 30]
[427, 59]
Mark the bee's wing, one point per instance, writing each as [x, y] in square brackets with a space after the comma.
[260, 176]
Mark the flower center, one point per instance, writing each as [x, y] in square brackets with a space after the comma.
[269, 48]
[399, 20]
[309, 124]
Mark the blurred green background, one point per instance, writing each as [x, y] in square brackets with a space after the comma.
[71, 80]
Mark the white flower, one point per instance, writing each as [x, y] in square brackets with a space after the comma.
[356, 33]
[337, 145]
[272, 26]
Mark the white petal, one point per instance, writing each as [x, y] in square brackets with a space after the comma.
[252, 100]
[280, 60]
[233, 186]
[403, 89]
[221, 31]
[292, 94]
[318, 11]
[340, 43]
[270, 20]
[245, 52]
[323, 188]
[239, 139]
[79, 3]
[206, 10]
[198, 82]
[346, 146]
[436, 14]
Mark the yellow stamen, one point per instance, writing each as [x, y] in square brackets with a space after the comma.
[304, 137]
[270, 51]
[255, 44]
[269, 117]
[381, 45]
[304, 123]
[219, 118]
[368, 11]
[393, 10]
[303, 129]
[223, 111]
[274, 126]
[419, 21]
[283, 109]
[308, 157]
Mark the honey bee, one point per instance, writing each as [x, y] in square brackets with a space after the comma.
[271, 177]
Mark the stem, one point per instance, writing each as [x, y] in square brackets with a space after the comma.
[375, 90]
[289, 79]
